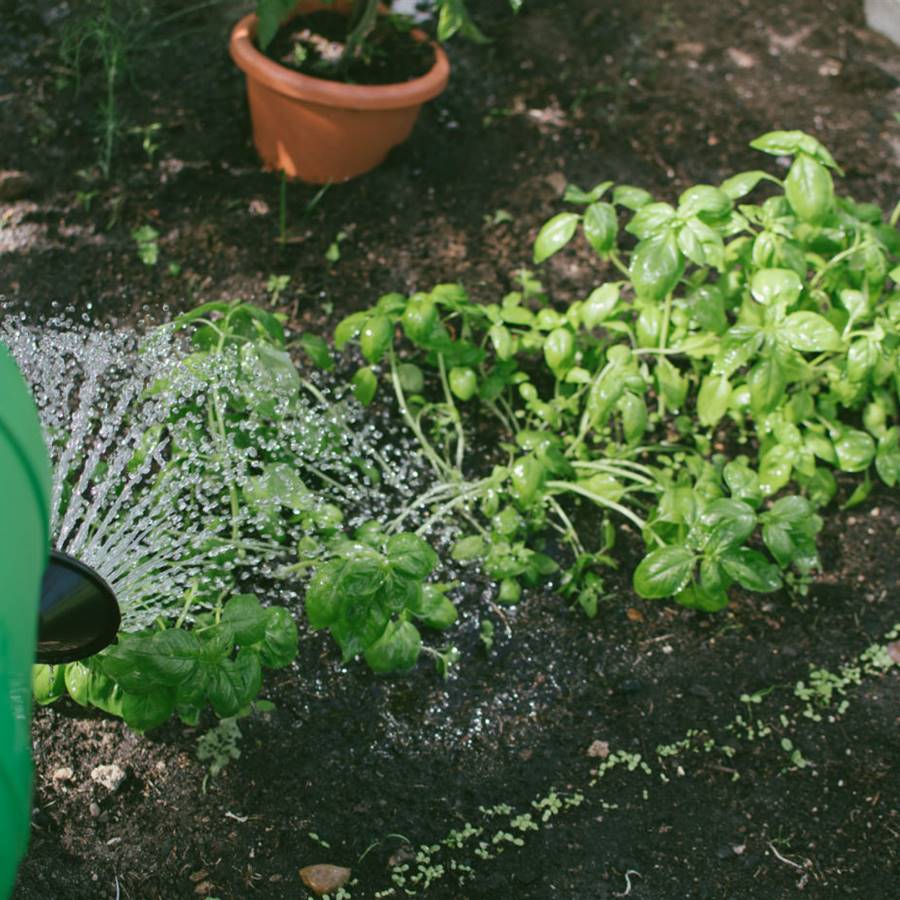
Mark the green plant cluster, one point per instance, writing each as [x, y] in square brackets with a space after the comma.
[147, 676]
[768, 328]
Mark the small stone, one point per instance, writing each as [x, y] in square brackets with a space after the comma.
[63, 774]
[598, 750]
[323, 878]
[111, 777]
[557, 181]
[893, 650]
[13, 184]
[258, 207]
[634, 615]
[94, 810]
[741, 58]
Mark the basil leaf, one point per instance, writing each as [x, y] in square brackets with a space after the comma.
[554, 235]
[656, 265]
[600, 226]
[809, 332]
[411, 555]
[279, 644]
[752, 570]
[712, 399]
[397, 650]
[663, 572]
[246, 617]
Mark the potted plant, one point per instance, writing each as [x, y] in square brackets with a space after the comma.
[318, 127]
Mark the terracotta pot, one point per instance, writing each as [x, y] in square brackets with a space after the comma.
[324, 131]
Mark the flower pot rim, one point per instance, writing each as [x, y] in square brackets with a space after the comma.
[289, 83]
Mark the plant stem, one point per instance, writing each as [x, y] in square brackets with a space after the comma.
[441, 468]
[454, 414]
[663, 339]
[566, 486]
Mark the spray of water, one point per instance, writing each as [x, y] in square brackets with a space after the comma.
[178, 474]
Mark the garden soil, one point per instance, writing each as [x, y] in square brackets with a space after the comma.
[359, 771]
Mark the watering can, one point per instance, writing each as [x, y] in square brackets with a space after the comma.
[63, 607]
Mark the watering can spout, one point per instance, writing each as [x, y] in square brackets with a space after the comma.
[78, 616]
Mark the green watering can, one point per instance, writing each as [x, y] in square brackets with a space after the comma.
[53, 613]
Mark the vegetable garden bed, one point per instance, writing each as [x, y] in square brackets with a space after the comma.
[651, 751]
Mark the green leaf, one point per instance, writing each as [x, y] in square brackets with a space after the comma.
[234, 683]
[365, 384]
[650, 220]
[672, 384]
[789, 143]
[776, 287]
[412, 380]
[701, 244]
[145, 711]
[469, 548]
[435, 610]
[574, 194]
[246, 617]
[706, 201]
[809, 332]
[730, 522]
[463, 382]
[712, 399]
[375, 338]
[48, 683]
[775, 469]
[349, 328]
[656, 266]
[362, 574]
[397, 650]
[631, 197]
[601, 303]
[740, 185]
[601, 226]
[279, 367]
[742, 482]
[752, 570]
[767, 381]
[695, 597]
[634, 417]
[270, 15]
[855, 450]
[664, 572]
[887, 458]
[317, 350]
[323, 602]
[809, 189]
[862, 357]
[555, 234]
[411, 555]
[279, 645]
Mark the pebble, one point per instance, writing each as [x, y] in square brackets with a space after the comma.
[63, 774]
[323, 879]
[598, 750]
[94, 810]
[111, 777]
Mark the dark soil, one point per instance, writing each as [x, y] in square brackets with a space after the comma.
[660, 95]
[388, 55]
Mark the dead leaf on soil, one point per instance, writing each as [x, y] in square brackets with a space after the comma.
[634, 615]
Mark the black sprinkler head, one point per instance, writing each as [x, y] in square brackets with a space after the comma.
[79, 615]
